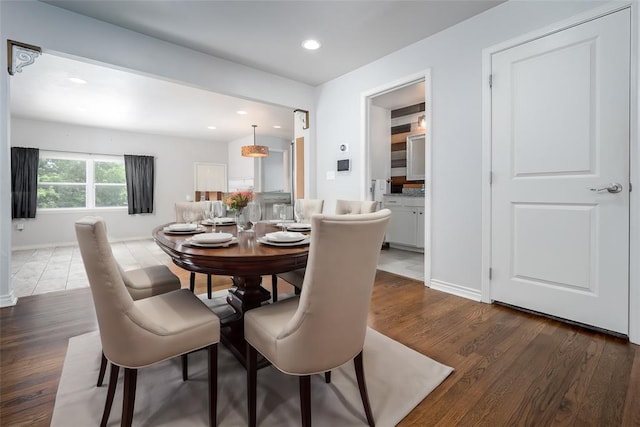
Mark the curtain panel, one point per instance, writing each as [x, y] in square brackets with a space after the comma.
[24, 182]
[139, 171]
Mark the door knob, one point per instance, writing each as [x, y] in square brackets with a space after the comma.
[614, 187]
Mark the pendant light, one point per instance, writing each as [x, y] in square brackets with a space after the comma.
[255, 150]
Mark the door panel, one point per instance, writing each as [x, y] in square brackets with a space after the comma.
[560, 127]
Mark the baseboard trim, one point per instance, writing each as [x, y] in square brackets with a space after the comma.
[451, 288]
[8, 300]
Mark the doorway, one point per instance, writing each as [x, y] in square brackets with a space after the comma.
[382, 163]
[559, 194]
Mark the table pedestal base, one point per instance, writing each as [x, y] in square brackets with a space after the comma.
[245, 294]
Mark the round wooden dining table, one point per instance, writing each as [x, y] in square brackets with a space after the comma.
[245, 261]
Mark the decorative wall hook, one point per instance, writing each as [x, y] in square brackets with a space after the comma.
[19, 55]
[305, 119]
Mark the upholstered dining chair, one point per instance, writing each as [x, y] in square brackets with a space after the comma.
[344, 207]
[198, 215]
[326, 325]
[310, 207]
[140, 333]
[144, 283]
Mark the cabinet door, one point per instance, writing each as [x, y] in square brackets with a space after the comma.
[402, 227]
[420, 227]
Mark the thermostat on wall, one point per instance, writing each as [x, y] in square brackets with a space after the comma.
[343, 166]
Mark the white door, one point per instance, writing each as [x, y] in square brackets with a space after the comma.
[560, 135]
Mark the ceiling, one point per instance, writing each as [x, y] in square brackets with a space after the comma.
[263, 34]
[268, 34]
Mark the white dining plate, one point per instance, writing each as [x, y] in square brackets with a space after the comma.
[192, 242]
[299, 226]
[198, 229]
[182, 227]
[284, 244]
[284, 236]
[212, 237]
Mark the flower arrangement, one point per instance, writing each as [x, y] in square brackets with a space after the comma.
[239, 199]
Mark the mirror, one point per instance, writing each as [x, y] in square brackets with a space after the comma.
[415, 157]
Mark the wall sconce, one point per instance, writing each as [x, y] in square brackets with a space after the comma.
[422, 121]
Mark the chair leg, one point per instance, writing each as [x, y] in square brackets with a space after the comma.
[357, 361]
[213, 385]
[305, 400]
[111, 391]
[129, 399]
[209, 286]
[252, 379]
[185, 366]
[327, 377]
[192, 282]
[103, 369]
[274, 287]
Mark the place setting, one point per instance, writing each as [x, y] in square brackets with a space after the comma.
[285, 238]
[212, 240]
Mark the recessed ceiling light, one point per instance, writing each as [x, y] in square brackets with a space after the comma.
[241, 112]
[211, 127]
[311, 44]
[77, 80]
[277, 126]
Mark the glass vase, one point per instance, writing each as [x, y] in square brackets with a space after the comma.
[242, 220]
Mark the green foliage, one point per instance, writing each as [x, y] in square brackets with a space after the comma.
[62, 170]
[62, 196]
[111, 195]
[109, 172]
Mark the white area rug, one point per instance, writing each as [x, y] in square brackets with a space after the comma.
[398, 378]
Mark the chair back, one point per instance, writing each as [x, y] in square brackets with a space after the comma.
[311, 207]
[196, 207]
[110, 296]
[344, 207]
[330, 323]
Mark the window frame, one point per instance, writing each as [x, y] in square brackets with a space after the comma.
[89, 184]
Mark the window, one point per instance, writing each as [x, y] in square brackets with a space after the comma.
[70, 180]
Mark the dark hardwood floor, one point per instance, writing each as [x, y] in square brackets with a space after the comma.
[511, 368]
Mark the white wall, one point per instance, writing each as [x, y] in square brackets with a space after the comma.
[455, 58]
[174, 169]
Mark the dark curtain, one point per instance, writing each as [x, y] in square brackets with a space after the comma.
[139, 172]
[24, 182]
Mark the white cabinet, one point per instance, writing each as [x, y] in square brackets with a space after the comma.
[406, 227]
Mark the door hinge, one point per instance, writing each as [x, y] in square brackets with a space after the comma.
[630, 188]
[490, 273]
[491, 178]
[490, 80]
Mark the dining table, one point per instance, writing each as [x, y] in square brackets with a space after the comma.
[246, 259]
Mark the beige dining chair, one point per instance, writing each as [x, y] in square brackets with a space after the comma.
[344, 207]
[198, 215]
[326, 325]
[310, 207]
[144, 283]
[140, 333]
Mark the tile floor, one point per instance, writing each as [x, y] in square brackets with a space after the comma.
[38, 271]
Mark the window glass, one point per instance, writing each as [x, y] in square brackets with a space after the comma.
[71, 180]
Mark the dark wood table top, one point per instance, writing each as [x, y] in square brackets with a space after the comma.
[246, 258]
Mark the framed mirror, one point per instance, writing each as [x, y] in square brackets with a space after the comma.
[415, 157]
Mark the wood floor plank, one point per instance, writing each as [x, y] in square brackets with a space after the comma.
[511, 368]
